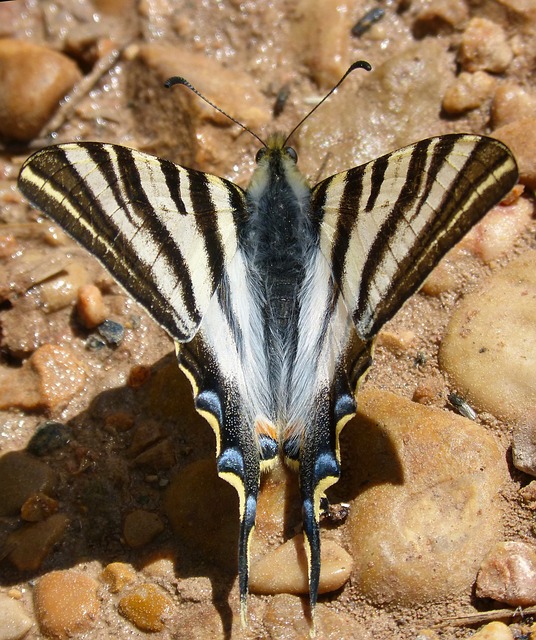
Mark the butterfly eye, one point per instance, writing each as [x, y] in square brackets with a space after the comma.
[291, 153]
[260, 155]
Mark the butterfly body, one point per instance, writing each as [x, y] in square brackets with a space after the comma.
[274, 294]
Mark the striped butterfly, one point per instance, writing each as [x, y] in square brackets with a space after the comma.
[273, 295]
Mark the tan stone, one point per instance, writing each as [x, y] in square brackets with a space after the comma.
[66, 603]
[424, 484]
[33, 79]
[140, 527]
[21, 477]
[488, 349]
[520, 136]
[32, 543]
[284, 570]
[493, 631]
[90, 306]
[118, 575]
[484, 47]
[147, 607]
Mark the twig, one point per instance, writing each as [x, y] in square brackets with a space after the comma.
[477, 618]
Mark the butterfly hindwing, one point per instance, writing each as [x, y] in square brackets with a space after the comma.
[165, 232]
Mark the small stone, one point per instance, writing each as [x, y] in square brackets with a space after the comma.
[512, 102]
[520, 136]
[22, 477]
[397, 342]
[159, 456]
[425, 481]
[528, 494]
[119, 421]
[284, 619]
[66, 604]
[147, 607]
[284, 570]
[62, 290]
[488, 349]
[484, 47]
[493, 631]
[469, 91]
[118, 575]
[90, 306]
[38, 507]
[524, 444]
[138, 376]
[32, 543]
[433, 16]
[49, 437]
[15, 622]
[508, 574]
[113, 332]
[140, 527]
[34, 80]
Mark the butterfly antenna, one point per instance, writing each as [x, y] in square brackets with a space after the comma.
[359, 64]
[170, 82]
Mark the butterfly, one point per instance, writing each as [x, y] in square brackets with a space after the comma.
[273, 294]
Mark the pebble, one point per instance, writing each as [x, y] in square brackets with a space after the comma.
[484, 47]
[520, 136]
[34, 80]
[203, 512]
[113, 332]
[508, 574]
[118, 575]
[524, 444]
[284, 569]
[15, 622]
[32, 543]
[487, 350]
[431, 16]
[38, 507]
[498, 232]
[284, 620]
[425, 480]
[90, 306]
[512, 102]
[493, 631]
[48, 379]
[140, 527]
[21, 477]
[147, 607]
[62, 290]
[528, 494]
[469, 91]
[66, 603]
[49, 437]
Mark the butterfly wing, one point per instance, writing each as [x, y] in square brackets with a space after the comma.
[166, 233]
[383, 227]
[386, 224]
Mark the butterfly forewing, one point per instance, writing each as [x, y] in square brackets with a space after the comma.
[165, 232]
[386, 224]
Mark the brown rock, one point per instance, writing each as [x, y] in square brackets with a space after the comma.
[21, 477]
[38, 507]
[90, 306]
[520, 136]
[147, 607]
[484, 47]
[493, 631]
[425, 481]
[512, 102]
[469, 91]
[140, 527]
[118, 575]
[61, 375]
[508, 574]
[66, 603]
[284, 570]
[31, 544]
[524, 444]
[33, 79]
[488, 346]
[62, 290]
